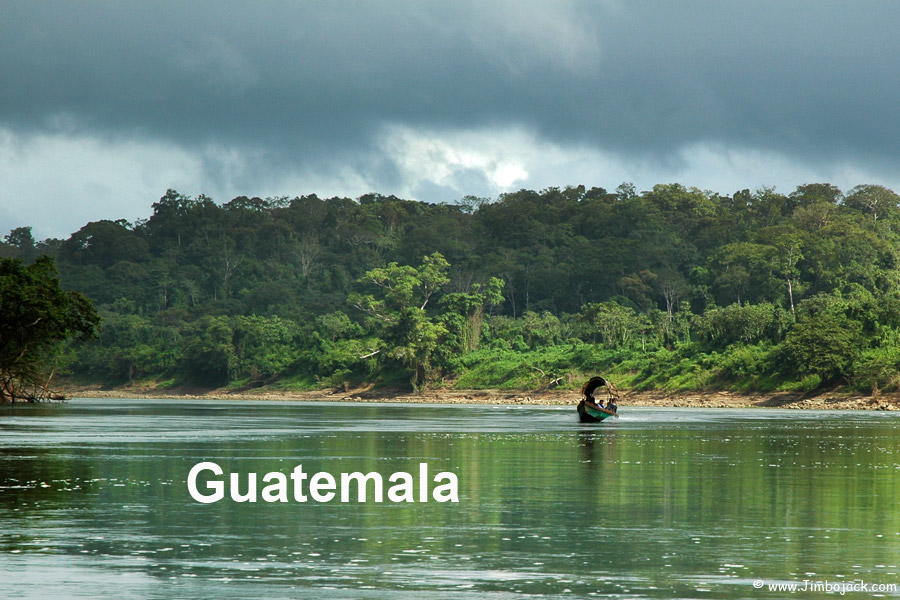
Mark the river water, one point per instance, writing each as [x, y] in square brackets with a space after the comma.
[661, 503]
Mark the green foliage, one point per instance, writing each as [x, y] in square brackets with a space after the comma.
[672, 288]
[36, 317]
[826, 341]
[463, 313]
[129, 348]
[209, 356]
[613, 325]
[398, 313]
[742, 324]
[21, 244]
[263, 347]
[878, 369]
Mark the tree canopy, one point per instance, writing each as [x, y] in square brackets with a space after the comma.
[673, 286]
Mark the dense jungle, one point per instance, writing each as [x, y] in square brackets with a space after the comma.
[673, 288]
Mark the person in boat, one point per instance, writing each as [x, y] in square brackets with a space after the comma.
[594, 383]
[594, 403]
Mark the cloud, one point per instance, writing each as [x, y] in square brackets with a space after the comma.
[57, 183]
[217, 64]
[435, 100]
[317, 76]
[495, 158]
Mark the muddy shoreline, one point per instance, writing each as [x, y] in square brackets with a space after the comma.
[542, 397]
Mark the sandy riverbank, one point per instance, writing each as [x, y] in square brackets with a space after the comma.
[545, 397]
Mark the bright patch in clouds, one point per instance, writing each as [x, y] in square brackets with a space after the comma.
[507, 175]
[91, 178]
[509, 159]
[440, 158]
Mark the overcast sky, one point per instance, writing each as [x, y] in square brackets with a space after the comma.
[105, 105]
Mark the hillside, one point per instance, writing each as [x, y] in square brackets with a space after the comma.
[671, 289]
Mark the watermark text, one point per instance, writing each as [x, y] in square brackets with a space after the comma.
[827, 587]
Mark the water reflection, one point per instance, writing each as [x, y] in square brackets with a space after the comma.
[661, 503]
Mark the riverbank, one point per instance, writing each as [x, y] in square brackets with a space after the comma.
[831, 400]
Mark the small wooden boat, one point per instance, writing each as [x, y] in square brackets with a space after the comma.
[593, 414]
[589, 411]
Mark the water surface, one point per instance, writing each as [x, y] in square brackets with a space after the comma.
[661, 503]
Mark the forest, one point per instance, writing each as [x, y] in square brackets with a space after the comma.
[673, 288]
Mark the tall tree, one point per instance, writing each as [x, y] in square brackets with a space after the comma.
[399, 312]
[874, 200]
[464, 314]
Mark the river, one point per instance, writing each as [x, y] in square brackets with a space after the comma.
[661, 503]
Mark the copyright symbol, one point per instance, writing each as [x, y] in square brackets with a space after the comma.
[758, 583]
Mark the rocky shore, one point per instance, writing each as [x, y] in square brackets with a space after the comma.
[542, 397]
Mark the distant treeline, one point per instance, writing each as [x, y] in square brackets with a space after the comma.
[675, 288]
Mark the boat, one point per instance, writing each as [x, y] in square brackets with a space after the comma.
[590, 414]
[588, 409]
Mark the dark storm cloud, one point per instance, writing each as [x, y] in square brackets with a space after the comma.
[301, 82]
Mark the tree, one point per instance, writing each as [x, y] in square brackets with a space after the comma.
[21, 239]
[741, 324]
[824, 344]
[875, 200]
[209, 357]
[814, 217]
[193, 291]
[176, 217]
[104, 243]
[789, 246]
[470, 204]
[638, 288]
[616, 324]
[36, 317]
[400, 314]
[464, 312]
[626, 191]
[263, 347]
[812, 193]
[742, 271]
[672, 287]
[768, 207]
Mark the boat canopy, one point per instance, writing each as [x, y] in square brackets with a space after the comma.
[587, 390]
